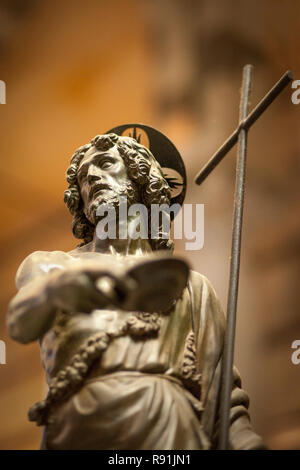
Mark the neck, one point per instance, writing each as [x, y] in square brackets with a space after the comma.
[131, 238]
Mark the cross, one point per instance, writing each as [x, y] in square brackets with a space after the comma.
[245, 123]
[239, 135]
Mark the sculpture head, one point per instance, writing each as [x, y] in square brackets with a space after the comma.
[108, 167]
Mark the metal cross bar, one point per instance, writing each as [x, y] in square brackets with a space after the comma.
[246, 123]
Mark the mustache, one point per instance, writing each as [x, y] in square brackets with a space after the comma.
[97, 187]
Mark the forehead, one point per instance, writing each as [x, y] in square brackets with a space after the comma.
[94, 153]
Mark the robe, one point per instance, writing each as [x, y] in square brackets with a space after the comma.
[147, 391]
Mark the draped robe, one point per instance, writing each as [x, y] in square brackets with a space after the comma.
[146, 391]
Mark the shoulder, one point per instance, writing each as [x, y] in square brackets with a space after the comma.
[202, 287]
[207, 306]
[40, 263]
[197, 278]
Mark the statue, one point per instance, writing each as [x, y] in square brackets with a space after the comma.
[131, 339]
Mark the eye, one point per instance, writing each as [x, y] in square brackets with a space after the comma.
[106, 164]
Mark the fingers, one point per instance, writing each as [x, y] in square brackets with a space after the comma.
[88, 297]
[77, 294]
[115, 290]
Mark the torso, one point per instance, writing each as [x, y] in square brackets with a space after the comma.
[161, 353]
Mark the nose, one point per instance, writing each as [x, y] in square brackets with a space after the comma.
[94, 174]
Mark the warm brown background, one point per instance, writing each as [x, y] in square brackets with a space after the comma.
[74, 69]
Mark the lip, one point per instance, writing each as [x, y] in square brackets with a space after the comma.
[97, 189]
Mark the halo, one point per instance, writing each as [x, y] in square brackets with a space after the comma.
[164, 151]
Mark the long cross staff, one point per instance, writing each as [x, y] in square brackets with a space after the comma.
[240, 135]
[227, 363]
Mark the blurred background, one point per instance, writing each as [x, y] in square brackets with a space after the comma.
[75, 69]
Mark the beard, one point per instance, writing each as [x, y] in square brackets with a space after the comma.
[111, 198]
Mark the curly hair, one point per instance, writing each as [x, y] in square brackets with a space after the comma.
[142, 168]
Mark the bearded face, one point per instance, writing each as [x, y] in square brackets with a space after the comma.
[103, 179]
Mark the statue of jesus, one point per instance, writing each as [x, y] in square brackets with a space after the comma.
[131, 339]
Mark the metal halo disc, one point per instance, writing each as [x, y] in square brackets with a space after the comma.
[163, 150]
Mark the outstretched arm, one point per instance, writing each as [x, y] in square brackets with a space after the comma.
[30, 313]
[46, 283]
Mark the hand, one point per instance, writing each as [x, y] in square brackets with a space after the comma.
[86, 288]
